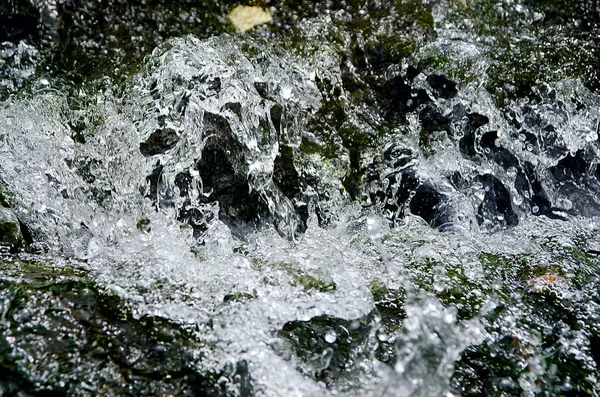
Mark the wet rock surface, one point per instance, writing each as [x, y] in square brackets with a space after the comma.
[63, 334]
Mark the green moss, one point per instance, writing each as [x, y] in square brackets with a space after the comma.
[526, 53]
[45, 270]
[450, 284]
[144, 225]
[310, 282]
[378, 289]
[114, 39]
[390, 308]
[307, 281]
[544, 321]
[238, 297]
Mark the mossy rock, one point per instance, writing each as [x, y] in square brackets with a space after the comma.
[542, 312]
[62, 334]
[308, 280]
[390, 308]
[330, 348]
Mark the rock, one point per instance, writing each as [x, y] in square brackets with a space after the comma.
[159, 141]
[496, 207]
[330, 348]
[18, 20]
[63, 328]
[16, 27]
[10, 229]
[442, 87]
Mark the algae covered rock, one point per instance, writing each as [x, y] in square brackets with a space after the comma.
[331, 349]
[63, 334]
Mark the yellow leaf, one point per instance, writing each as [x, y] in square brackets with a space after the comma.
[245, 17]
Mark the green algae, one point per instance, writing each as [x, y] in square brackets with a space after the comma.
[313, 280]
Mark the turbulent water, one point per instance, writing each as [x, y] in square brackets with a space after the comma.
[432, 241]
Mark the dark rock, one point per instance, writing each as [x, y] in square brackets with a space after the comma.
[434, 201]
[496, 207]
[431, 121]
[475, 120]
[442, 87]
[221, 182]
[10, 228]
[500, 155]
[66, 335]
[159, 141]
[16, 27]
[288, 181]
[575, 168]
[578, 179]
[539, 201]
[399, 98]
[329, 347]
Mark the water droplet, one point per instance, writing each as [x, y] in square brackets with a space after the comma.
[535, 209]
[517, 199]
[511, 172]
[330, 336]
[373, 228]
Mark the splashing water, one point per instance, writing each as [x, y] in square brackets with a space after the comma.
[203, 193]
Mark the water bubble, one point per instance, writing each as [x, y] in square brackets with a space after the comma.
[535, 209]
[373, 228]
[330, 336]
[529, 147]
[511, 172]
[517, 199]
